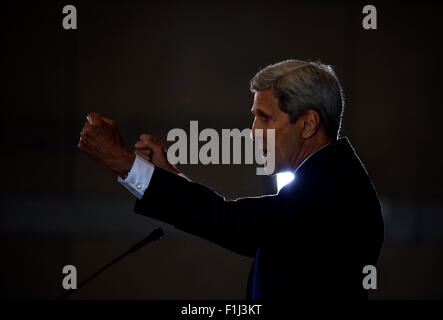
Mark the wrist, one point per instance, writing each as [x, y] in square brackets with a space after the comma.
[123, 164]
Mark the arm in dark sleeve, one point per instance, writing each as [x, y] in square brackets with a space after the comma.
[241, 225]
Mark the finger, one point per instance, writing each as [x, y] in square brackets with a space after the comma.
[83, 144]
[141, 145]
[85, 139]
[90, 116]
[94, 118]
[151, 142]
[86, 128]
[146, 152]
[108, 121]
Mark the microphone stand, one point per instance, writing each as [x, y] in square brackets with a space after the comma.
[153, 236]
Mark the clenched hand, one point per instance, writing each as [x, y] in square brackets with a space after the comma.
[151, 149]
[100, 139]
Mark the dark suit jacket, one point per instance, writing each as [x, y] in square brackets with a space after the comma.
[311, 240]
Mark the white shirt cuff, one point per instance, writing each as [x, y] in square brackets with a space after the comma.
[139, 177]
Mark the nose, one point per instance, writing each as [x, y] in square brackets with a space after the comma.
[252, 134]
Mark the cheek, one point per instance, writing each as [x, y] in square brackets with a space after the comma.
[284, 144]
[280, 148]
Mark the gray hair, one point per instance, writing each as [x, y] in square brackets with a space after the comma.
[301, 85]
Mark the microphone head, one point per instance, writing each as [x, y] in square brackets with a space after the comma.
[153, 236]
[157, 234]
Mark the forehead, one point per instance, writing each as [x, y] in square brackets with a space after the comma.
[265, 100]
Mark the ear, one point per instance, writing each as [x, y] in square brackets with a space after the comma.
[311, 123]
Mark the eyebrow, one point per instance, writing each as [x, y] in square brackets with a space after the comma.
[260, 112]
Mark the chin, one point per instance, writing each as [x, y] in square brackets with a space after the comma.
[280, 168]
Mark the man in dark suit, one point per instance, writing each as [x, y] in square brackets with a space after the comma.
[313, 238]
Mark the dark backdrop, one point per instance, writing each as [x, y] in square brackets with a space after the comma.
[156, 66]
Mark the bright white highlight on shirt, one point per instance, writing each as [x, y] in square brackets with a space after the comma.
[283, 179]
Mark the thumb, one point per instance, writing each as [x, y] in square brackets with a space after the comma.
[140, 145]
[151, 142]
[108, 121]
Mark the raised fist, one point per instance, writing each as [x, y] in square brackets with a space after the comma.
[101, 140]
[151, 149]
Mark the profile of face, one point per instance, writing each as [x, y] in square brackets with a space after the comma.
[289, 136]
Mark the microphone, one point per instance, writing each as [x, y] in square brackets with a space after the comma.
[153, 236]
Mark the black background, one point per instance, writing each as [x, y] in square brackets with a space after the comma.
[156, 66]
